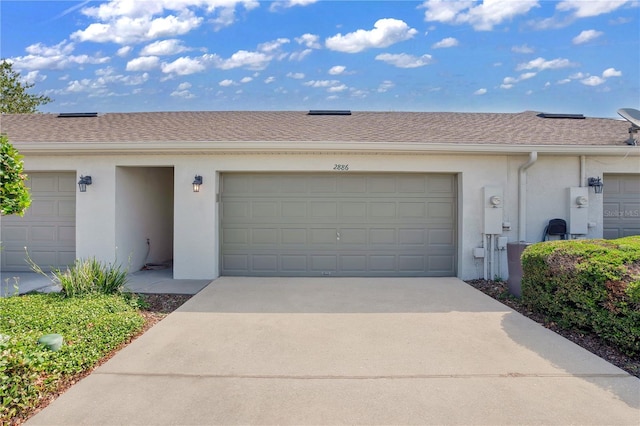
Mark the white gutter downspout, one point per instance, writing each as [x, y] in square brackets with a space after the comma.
[522, 196]
[583, 171]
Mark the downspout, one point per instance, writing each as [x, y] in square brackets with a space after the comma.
[522, 196]
[583, 170]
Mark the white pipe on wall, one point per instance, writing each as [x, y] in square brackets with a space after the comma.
[522, 196]
[583, 171]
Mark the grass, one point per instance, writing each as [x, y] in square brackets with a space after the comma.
[92, 326]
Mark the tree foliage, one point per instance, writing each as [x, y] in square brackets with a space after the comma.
[14, 98]
[14, 195]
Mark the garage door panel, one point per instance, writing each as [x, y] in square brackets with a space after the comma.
[294, 263]
[353, 263]
[345, 225]
[12, 234]
[441, 264]
[440, 184]
[267, 236]
[294, 209]
[323, 262]
[47, 229]
[355, 185]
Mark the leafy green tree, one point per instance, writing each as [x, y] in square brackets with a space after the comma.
[14, 195]
[14, 98]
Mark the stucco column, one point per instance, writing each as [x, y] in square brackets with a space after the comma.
[195, 243]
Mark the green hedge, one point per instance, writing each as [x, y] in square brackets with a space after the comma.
[592, 285]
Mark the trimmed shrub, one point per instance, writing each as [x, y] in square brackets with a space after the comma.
[591, 285]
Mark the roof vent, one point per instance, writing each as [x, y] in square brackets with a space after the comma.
[77, 114]
[572, 116]
[329, 112]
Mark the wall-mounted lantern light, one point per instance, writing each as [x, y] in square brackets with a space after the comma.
[196, 183]
[83, 182]
[597, 184]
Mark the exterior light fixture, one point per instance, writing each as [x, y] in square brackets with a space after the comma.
[597, 184]
[197, 181]
[83, 182]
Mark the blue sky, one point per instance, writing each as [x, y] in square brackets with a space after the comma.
[569, 56]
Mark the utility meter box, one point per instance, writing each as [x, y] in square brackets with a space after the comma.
[493, 210]
[578, 210]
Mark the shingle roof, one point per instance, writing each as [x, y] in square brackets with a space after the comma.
[524, 128]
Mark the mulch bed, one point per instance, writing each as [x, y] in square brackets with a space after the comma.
[589, 341]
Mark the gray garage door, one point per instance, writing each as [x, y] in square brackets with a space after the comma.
[621, 197]
[338, 225]
[47, 229]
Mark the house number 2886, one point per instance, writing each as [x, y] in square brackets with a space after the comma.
[341, 167]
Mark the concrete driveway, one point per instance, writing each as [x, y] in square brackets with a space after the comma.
[349, 351]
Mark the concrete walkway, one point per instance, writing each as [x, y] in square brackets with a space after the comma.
[348, 351]
[147, 281]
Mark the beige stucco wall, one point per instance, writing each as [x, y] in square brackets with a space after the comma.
[101, 224]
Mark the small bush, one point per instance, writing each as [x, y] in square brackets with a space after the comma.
[593, 285]
[88, 276]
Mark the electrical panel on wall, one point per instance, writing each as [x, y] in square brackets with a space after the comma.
[493, 210]
[578, 210]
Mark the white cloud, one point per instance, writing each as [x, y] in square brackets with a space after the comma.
[386, 86]
[296, 75]
[226, 83]
[284, 4]
[336, 89]
[311, 41]
[586, 36]
[144, 63]
[185, 94]
[611, 72]
[543, 64]
[522, 49]
[243, 59]
[482, 91]
[337, 69]
[482, 17]
[404, 60]
[298, 56]
[446, 42]
[269, 80]
[321, 83]
[33, 77]
[274, 45]
[164, 47]
[127, 30]
[55, 57]
[127, 21]
[527, 75]
[61, 49]
[585, 9]
[124, 51]
[246, 80]
[593, 81]
[183, 66]
[183, 91]
[386, 32]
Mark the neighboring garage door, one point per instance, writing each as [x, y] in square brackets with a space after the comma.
[621, 197]
[47, 229]
[338, 225]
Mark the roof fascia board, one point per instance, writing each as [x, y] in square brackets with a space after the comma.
[199, 147]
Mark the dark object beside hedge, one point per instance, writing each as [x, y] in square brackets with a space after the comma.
[591, 285]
